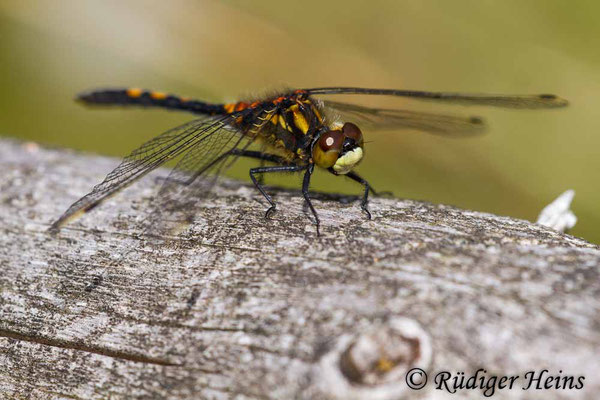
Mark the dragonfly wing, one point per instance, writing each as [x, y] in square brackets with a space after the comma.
[144, 159]
[195, 175]
[190, 180]
[389, 119]
[507, 101]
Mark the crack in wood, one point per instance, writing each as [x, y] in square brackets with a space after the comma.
[63, 344]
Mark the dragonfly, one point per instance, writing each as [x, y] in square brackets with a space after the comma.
[296, 130]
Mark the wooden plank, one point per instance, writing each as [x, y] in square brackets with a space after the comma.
[240, 307]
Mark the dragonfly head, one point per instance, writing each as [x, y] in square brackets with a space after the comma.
[339, 149]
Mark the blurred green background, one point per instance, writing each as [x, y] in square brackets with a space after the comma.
[51, 50]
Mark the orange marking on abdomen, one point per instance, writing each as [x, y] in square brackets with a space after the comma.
[229, 107]
[134, 92]
[241, 106]
[158, 95]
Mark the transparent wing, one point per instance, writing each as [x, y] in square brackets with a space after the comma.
[195, 175]
[382, 119]
[144, 159]
[509, 101]
[190, 180]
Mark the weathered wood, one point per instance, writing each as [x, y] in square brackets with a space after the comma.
[247, 308]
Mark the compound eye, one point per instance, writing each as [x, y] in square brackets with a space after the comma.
[331, 140]
[352, 131]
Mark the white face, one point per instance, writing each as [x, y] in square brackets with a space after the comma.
[348, 160]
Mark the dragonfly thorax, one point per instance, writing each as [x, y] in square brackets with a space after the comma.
[339, 150]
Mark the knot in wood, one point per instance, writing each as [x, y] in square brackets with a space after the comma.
[373, 364]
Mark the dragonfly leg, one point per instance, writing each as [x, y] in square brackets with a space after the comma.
[258, 155]
[365, 200]
[264, 170]
[280, 168]
[261, 177]
[305, 185]
[263, 157]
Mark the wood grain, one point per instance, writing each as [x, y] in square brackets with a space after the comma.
[240, 307]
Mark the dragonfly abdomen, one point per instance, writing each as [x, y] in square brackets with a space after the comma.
[147, 98]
